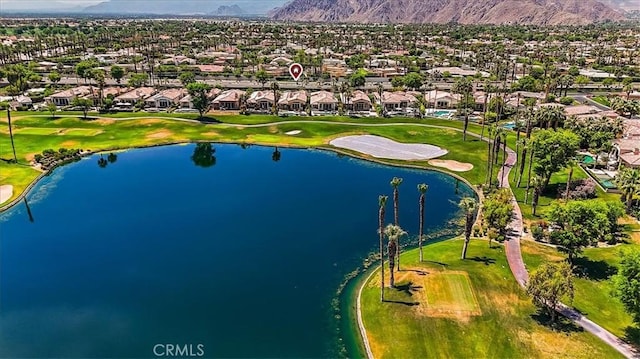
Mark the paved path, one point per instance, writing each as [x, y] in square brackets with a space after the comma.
[514, 257]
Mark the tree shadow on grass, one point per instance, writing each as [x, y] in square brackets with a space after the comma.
[632, 335]
[595, 270]
[484, 259]
[436, 262]
[407, 288]
[562, 324]
[208, 119]
[409, 304]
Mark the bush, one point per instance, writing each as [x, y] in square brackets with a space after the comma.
[538, 230]
[550, 98]
[579, 189]
[566, 100]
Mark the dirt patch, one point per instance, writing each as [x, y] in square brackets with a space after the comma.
[69, 144]
[159, 135]
[451, 165]
[149, 121]
[413, 133]
[30, 156]
[273, 129]
[6, 192]
[104, 121]
[211, 134]
[553, 345]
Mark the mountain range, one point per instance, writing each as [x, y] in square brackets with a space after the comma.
[536, 12]
[539, 12]
[185, 7]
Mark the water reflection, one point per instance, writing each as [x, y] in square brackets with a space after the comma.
[111, 158]
[26, 204]
[203, 155]
[275, 156]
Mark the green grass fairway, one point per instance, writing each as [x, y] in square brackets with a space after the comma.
[506, 326]
[34, 134]
[449, 293]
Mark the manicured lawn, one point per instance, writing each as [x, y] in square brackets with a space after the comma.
[603, 100]
[34, 134]
[593, 286]
[505, 326]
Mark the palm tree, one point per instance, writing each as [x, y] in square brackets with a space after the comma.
[380, 93]
[382, 203]
[628, 181]
[571, 164]
[537, 183]
[275, 87]
[393, 234]
[422, 188]
[395, 183]
[15, 158]
[504, 157]
[468, 205]
[491, 134]
[464, 87]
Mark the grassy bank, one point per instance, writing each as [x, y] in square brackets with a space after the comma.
[593, 287]
[32, 135]
[449, 308]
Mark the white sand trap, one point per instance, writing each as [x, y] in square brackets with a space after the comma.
[452, 165]
[381, 147]
[293, 133]
[6, 191]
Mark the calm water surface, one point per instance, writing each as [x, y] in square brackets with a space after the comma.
[242, 256]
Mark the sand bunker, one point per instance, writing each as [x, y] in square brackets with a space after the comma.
[381, 147]
[452, 165]
[6, 191]
[293, 133]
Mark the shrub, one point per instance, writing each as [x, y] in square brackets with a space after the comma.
[538, 230]
[566, 100]
[579, 189]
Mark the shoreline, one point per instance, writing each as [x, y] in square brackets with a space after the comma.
[10, 204]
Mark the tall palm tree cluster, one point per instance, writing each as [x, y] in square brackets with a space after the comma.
[393, 233]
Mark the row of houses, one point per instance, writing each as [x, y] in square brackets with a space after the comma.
[126, 98]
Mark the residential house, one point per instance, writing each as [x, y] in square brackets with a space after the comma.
[261, 101]
[228, 100]
[64, 98]
[293, 101]
[128, 99]
[359, 101]
[397, 101]
[324, 101]
[186, 102]
[166, 98]
[629, 145]
[442, 99]
[581, 110]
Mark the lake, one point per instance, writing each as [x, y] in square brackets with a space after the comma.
[162, 248]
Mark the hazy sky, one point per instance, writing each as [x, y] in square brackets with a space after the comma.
[47, 4]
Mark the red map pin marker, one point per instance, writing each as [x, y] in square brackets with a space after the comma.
[296, 71]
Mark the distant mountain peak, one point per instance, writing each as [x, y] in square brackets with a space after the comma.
[537, 12]
[185, 7]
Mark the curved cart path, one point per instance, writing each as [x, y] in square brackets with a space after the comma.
[514, 257]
